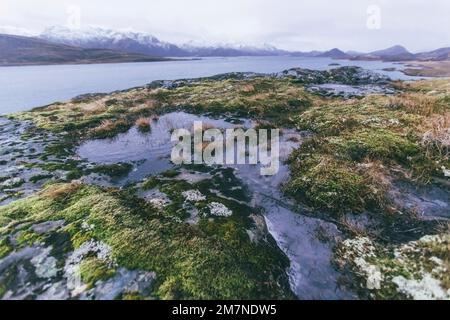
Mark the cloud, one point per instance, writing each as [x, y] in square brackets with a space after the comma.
[289, 24]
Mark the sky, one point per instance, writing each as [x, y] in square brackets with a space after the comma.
[302, 25]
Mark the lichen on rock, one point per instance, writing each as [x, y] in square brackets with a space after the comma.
[219, 209]
[414, 270]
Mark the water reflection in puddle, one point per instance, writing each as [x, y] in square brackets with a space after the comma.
[312, 275]
[150, 152]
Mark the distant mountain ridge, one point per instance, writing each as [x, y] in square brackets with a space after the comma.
[143, 43]
[20, 50]
[139, 46]
[138, 42]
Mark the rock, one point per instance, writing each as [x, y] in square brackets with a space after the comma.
[343, 75]
[414, 270]
[13, 183]
[193, 196]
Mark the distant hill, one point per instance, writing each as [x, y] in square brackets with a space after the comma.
[400, 53]
[20, 50]
[308, 54]
[391, 51]
[335, 54]
[435, 55]
[395, 53]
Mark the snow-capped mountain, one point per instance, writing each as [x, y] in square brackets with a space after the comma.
[230, 49]
[143, 43]
[101, 38]
[10, 30]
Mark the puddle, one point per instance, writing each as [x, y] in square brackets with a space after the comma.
[312, 275]
[150, 152]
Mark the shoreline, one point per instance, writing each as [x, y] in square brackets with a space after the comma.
[433, 69]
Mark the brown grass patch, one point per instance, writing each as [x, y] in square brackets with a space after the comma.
[415, 103]
[436, 135]
[109, 128]
[247, 88]
[61, 191]
[143, 124]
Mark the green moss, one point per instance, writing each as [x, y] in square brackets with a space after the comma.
[132, 296]
[215, 259]
[326, 184]
[63, 148]
[40, 177]
[74, 175]
[67, 165]
[150, 183]
[376, 144]
[5, 249]
[29, 237]
[353, 137]
[114, 170]
[170, 174]
[93, 270]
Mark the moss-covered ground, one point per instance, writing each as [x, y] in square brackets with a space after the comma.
[357, 150]
[212, 258]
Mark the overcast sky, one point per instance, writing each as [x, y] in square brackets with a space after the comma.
[288, 24]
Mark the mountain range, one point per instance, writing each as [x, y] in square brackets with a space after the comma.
[92, 44]
[138, 42]
[19, 50]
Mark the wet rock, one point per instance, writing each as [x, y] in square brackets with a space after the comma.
[45, 264]
[343, 75]
[47, 226]
[428, 202]
[345, 82]
[13, 183]
[348, 91]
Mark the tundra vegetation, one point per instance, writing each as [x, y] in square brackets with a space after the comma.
[203, 244]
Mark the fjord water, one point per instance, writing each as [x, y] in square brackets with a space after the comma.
[23, 88]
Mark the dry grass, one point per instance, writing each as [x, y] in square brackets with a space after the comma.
[436, 135]
[207, 126]
[93, 108]
[378, 180]
[247, 88]
[352, 227]
[60, 191]
[109, 128]
[143, 124]
[416, 103]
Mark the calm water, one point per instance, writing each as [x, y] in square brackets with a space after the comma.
[23, 88]
[311, 274]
